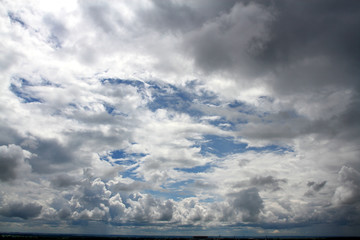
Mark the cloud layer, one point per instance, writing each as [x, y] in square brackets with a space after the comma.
[180, 118]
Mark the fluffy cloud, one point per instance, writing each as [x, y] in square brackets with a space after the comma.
[180, 116]
[348, 191]
[12, 162]
[249, 202]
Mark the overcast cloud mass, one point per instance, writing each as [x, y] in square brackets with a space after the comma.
[180, 117]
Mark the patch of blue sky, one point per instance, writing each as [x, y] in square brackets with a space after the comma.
[175, 190]
[73, 105]
[22, 88]
[112, 110]
[241, 107]
[45, 82]
[206, 97]
[167, 194]
[122, 158]
[104, 158]
[207, 200]
[117, 81]
[178, 184]
[20, 91]
[120, 154]
[222, 146]
[271, 148]
[109, 109]
[131, 173]
[236, 104]
[197, 169]
[125, 162]
[224, 124]
[168, 96]
[117, 154]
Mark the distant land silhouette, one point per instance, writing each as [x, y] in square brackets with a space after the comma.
[40, 236]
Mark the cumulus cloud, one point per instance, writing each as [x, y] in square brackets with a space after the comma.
[348, 191]
[12, 162]
[249, 202]
[180, 115]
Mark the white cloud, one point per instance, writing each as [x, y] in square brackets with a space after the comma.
[151, 81]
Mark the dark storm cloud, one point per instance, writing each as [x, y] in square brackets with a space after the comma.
[21, 210]
[223, 43]
[346, 125]
[305, 44]
[313, 44]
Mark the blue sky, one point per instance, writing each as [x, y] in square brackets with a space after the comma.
[236, 118]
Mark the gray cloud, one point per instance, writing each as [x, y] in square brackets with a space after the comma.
[249, 202]
[316, 186]
[64, 213]
[166, 211]
[262, 183]
[8, 135]
[302, 55]
[302, 49]
[135, 186]
[349, 190]
[303, 32]
[21, 210]
[50, 154]
[100, 14]
[223, 43]
[11, 162]
[267, 182]
[305, 45]
[64, 180]
[163, 19]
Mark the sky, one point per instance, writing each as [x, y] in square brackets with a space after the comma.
[207, 117]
